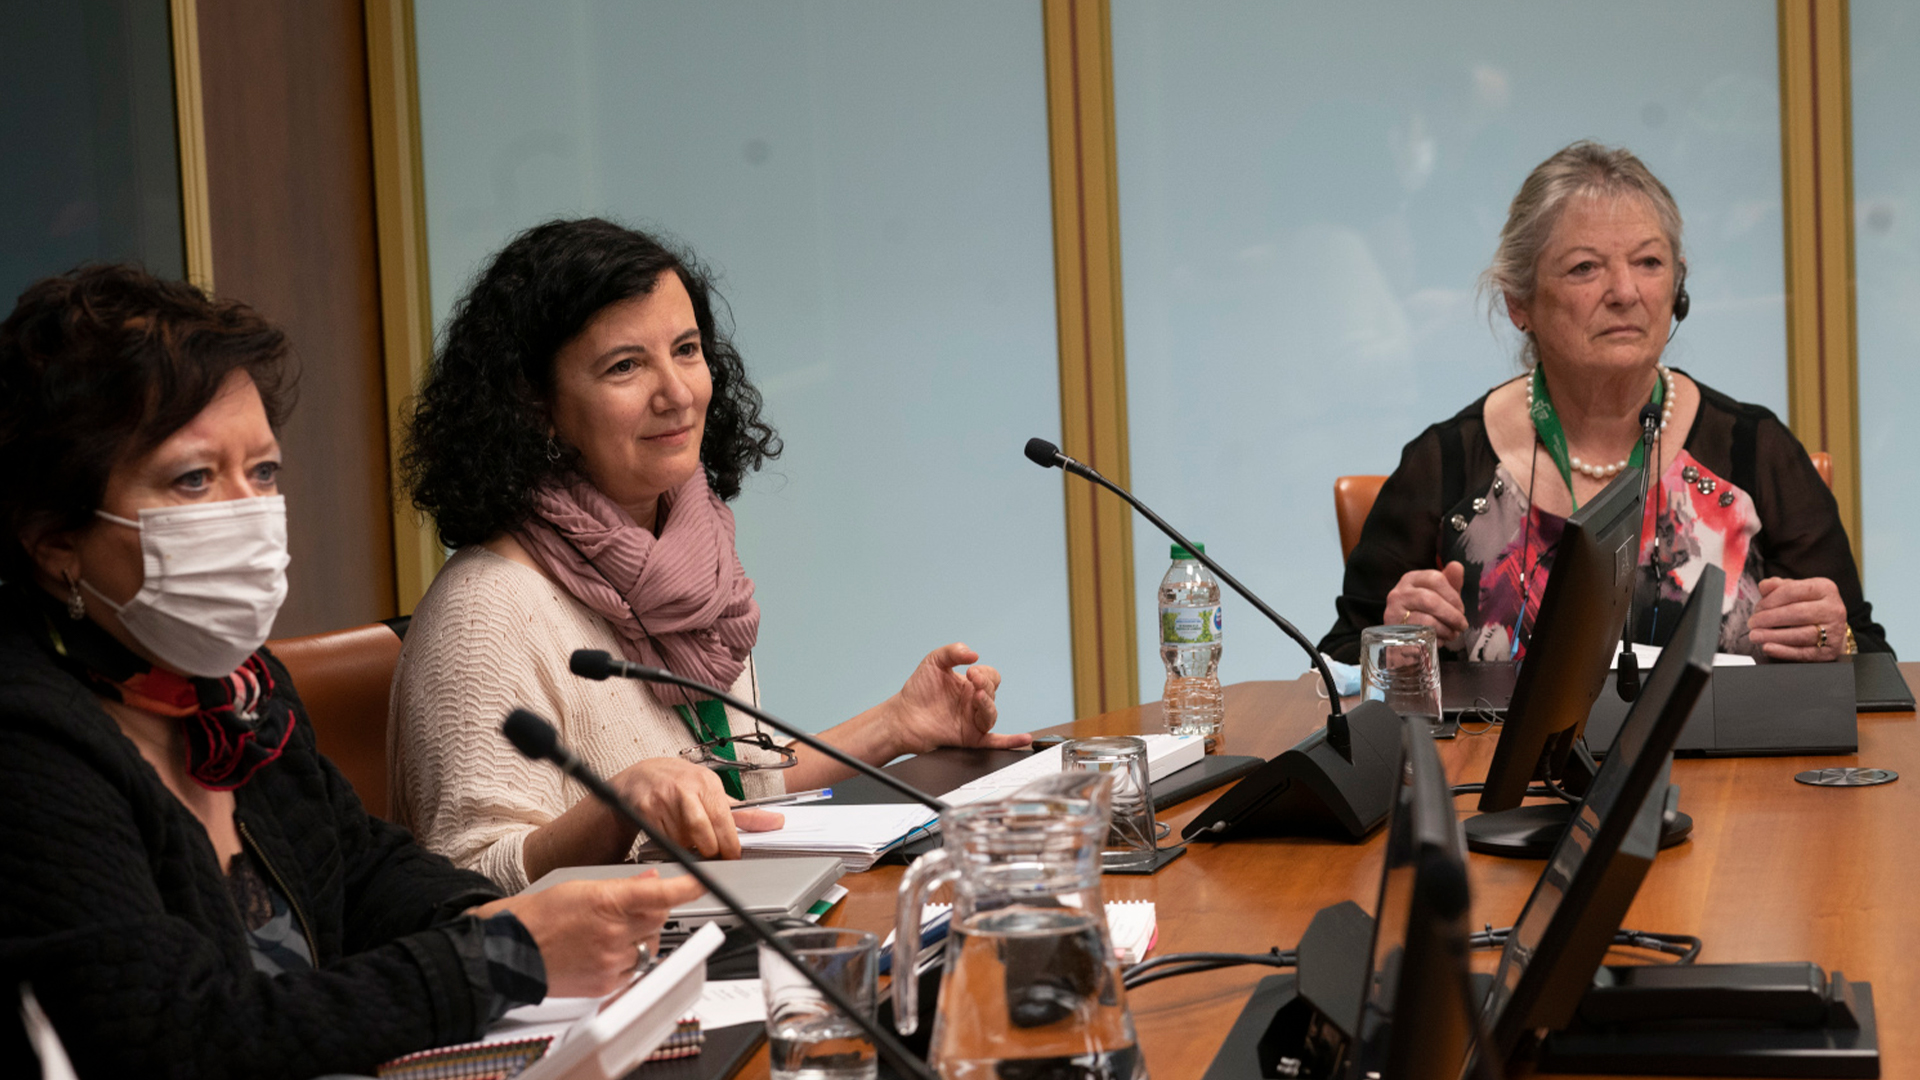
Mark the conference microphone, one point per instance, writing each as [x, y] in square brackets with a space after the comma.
[1048, 456]
[599, 664]
[535, 738]
[1627, 683]
[1329, 784]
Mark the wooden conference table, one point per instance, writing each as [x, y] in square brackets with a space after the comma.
[1775, 870]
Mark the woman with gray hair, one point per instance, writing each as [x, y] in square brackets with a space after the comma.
[1591, 271]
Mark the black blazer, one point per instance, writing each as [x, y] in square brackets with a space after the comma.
[113, 905]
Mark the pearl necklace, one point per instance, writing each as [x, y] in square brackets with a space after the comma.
[1601, 472]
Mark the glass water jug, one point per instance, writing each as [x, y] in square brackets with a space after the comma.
[1031, 989]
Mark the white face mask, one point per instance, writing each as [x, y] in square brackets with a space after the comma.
[216, 577]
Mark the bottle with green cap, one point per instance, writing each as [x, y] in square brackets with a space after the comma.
[1190, 648]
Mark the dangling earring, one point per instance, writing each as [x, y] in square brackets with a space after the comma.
[76, 604]
[553, 450]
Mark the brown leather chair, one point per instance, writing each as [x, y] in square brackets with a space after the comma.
[1823, 464]
[1353, 498]
[344, 678]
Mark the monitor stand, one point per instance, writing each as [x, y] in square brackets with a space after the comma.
[1532, 832]
[1719, 1020]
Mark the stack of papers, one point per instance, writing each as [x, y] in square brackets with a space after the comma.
[1166, 755]
[856, 835]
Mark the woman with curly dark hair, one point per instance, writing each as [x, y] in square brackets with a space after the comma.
[583, 425]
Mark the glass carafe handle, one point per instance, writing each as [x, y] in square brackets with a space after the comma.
[927, 873]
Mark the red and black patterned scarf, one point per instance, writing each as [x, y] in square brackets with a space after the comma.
[231, 726]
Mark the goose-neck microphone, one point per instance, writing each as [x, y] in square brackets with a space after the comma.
[599, 664]
[1627, 682]
[1048, 456]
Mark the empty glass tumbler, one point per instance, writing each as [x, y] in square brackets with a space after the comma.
[1131, 839]
[1400, 665]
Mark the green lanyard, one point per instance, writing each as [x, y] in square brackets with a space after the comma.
[1546, 423]
[711, 727]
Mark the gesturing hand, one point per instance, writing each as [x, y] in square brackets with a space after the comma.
[589, 932]
[1430, 598]
[1799, 619]
[939, 706]
[689, 804]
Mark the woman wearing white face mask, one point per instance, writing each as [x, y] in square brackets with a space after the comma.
[188, 886]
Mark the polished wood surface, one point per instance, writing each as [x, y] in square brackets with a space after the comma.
[290, 181]
[1775, 870]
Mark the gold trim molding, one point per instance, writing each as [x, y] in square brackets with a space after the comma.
[1093, 382]
[189, 122]
[406, 313]
[1816, 150]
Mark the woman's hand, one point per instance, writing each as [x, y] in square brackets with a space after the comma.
[689, 804]
[1430, 598]
[590, 932]
[1799, 619]
[939, 706]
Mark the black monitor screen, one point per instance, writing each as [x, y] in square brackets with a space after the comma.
[1596, 868]
[1415, 1022]
[1582, 613]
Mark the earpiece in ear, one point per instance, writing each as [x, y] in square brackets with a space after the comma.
[1680, 304]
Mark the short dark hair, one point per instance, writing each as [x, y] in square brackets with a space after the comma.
[477, 444]
[103, 364]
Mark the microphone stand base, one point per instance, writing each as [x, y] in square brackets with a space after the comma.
[1314, 789]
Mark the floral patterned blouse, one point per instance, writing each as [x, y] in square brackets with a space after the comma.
[1742, 495]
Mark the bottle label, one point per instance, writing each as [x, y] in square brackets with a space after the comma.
[1190, 625]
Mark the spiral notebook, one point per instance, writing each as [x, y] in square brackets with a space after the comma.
[582, 1039]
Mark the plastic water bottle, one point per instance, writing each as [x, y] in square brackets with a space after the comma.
[1190, 647]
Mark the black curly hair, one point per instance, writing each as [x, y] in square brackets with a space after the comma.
[477, 444]
[102, 364]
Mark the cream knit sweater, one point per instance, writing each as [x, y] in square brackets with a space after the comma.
[490, 636]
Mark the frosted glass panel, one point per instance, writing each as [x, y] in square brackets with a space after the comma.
[1886, 254]
[1308, 193]
[871, 182]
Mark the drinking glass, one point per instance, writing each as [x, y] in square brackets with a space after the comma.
[1400, 665]
[1132, 838]
[807, 1038]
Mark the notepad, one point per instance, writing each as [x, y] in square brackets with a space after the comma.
[856, 835]
[582, 1038]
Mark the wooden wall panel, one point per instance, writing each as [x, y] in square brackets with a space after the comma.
[291, 203]
[1816, 149]
[1093, 377]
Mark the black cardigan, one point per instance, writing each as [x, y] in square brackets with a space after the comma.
[113, 905]
[1451, 462]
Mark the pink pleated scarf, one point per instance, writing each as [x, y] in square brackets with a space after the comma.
[680, 600]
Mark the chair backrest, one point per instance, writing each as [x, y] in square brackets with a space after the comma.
[344, 678]
[1353, 498]
[1823, 464]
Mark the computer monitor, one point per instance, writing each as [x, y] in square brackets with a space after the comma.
[1417, 1018]
[1576, 907]
[1575, 636]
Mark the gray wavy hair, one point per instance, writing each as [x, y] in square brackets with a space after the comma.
[1584, 168]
